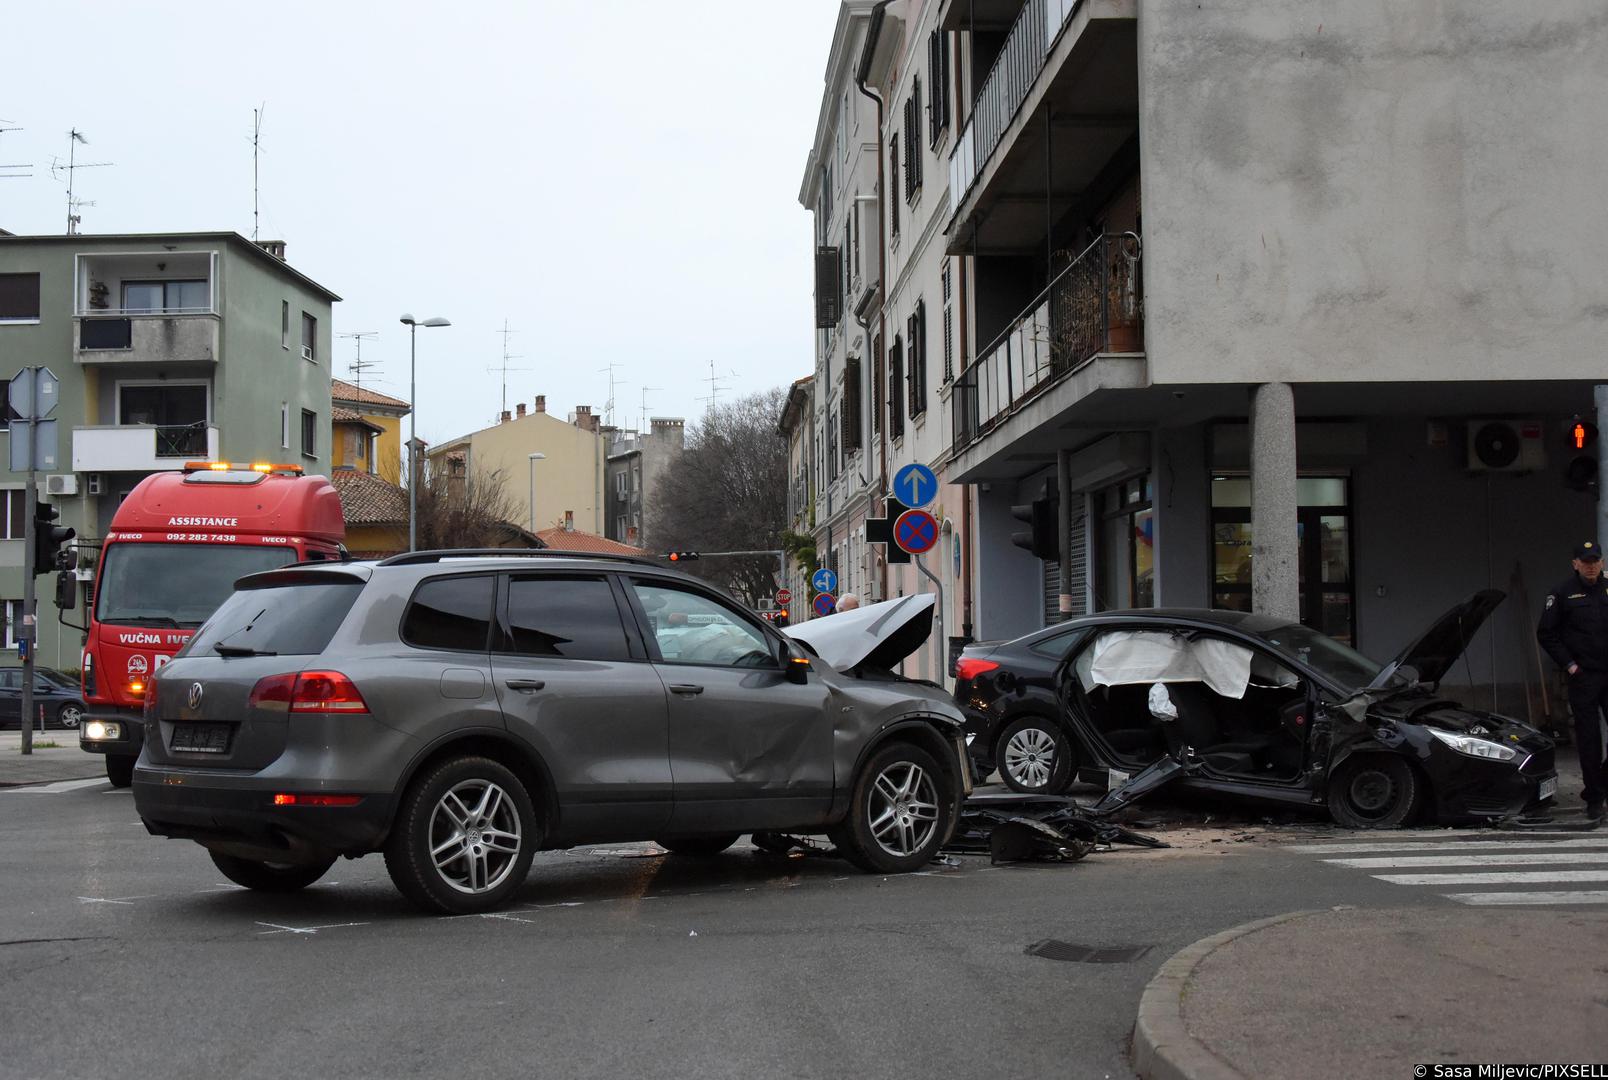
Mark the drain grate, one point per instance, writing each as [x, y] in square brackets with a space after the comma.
[1050, 949]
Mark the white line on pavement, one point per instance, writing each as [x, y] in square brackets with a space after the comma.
[1493, 899]
[1452, 845]
[120, 900]
[1530, 859]
[58, 788]
[1496, 877]
[277, 929]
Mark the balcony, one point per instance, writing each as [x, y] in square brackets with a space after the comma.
[1093, 307]
[146, 307]
[142, 447]
[146, 339]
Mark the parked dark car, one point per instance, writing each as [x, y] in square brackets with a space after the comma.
[56, 693]
[1274, 711]
[459, 711]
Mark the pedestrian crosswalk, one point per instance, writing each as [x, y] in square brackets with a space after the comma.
[1440, 860]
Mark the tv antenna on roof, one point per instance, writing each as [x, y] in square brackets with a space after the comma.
[360, 365]
[74, 137]
[608, 406]
[256, 148]
[642, 417]
[504, 369]
[5, 170]
[716, 385]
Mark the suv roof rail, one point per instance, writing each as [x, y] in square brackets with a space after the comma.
[415, 558]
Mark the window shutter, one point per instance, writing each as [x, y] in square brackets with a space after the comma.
[895, 389]
[912, 147]
[938, 92]
[851, 405]
[876, 385]
[828, 288]
[893, 183]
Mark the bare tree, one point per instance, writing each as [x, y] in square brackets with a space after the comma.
[728, 492]
[464, 510]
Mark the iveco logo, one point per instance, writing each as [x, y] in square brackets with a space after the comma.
[195, 695]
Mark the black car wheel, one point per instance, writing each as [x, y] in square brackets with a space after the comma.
[270, 877]
[463, 838]
[120, 769]
[902, 810]
[698, 846]
[1374, 791]
[70, 714]
[1035, 757]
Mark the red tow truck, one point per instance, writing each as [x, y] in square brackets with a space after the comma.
[174, 549]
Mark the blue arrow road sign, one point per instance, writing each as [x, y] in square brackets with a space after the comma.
[824, 580]
[915, 485]
[824, 604]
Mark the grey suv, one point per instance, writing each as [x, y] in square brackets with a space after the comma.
[459, 711]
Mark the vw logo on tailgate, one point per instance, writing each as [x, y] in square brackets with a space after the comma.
[195, 695]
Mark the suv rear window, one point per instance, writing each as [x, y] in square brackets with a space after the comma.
[290, 620]
[451, 613]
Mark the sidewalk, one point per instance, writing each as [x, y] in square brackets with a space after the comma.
[46, 765]
[1373, 992]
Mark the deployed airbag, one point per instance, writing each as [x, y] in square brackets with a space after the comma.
[1130, 657]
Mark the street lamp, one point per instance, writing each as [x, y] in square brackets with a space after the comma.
[534, 458]
[413, 423]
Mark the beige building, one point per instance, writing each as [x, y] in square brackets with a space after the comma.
[567, 480]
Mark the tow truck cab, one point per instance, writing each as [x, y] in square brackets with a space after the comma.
[173, 551]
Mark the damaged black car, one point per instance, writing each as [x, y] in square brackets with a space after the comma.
[1268, 710]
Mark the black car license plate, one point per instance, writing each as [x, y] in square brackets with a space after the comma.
[200, 738]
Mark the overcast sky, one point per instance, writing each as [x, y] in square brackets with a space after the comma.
[616, 178]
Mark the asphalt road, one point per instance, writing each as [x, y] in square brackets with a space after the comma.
[125, 955]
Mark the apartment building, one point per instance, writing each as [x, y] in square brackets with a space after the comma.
[636, 462]
[169, 348]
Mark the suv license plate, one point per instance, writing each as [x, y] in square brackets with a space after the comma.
[1549, 788]
[200, 738]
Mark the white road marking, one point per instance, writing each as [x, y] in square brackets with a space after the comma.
[278, 929]
[120, 900]
[1502, 899]
[1451, 845]
[1528, 859]
[58, 788]
[1496, 877]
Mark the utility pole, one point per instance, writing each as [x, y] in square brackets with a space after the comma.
[33, 393]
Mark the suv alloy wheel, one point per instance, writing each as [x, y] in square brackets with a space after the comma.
[902, 811]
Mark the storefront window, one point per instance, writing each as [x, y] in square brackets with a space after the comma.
[1127, 556]
[1323, 523]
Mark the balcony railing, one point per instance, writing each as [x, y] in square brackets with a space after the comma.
[181, 440]
[1094, 306]
[142, 447]
[1004, 89]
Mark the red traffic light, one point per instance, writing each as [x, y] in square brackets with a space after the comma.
[1582, 433]
[682, 556]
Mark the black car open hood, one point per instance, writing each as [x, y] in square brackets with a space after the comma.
[1437, 649]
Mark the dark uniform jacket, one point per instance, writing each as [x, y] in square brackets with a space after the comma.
[1574, 624]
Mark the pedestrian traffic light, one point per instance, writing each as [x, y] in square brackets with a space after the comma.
[48, 538]
[1043, 537]
[1581, 472]
[682, 556]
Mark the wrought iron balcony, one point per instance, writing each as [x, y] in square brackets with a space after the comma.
[1094, 306]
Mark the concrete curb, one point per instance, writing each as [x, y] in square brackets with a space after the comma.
[1163, 1048]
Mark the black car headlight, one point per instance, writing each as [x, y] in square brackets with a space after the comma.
[1475, 747]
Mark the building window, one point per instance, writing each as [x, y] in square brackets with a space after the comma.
[852, 440]
[7, 413]
[284, 425]
[893, 183]
[949, 328]
[1127, 562]
[831, 445]
[912, 141]
[621, 484]
[177, 410]
[938, 93]
[13, 621]
[19, 297]
[284, 324]
[1324, 551]
[166, 297]
[14, 503]
[895, 389]
[876, 385]
[917, 337]
[309, 338]
[309, 433]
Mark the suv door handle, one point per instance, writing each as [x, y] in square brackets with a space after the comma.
[525, 685]
[685, 688]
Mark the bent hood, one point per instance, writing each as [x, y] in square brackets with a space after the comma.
[1437, 649]
[877, 635]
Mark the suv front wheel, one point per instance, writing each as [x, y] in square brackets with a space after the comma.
[463, 837]
[902, 811]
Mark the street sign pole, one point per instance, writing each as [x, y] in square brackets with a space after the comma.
[25, 634]
[937, 614]
[32, 395]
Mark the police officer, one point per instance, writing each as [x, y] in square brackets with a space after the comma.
[1574, 631]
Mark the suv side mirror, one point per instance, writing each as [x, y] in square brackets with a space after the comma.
[795, 663]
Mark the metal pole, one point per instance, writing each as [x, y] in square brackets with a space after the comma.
[30, 533]
[938, 617]
[532, 462]
[413, 438]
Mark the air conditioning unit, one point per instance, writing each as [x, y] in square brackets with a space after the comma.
[96, 485]
[1513, 446]
[61, 484]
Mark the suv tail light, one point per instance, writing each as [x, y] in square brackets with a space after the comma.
[969, 667]
[308, 691]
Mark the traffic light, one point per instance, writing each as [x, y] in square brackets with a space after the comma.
[1043, 537]
[48, 538]
[682, 556]
[1581, 472]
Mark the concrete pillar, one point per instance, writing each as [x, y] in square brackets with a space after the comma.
[1599, 395]
[1275, 549]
